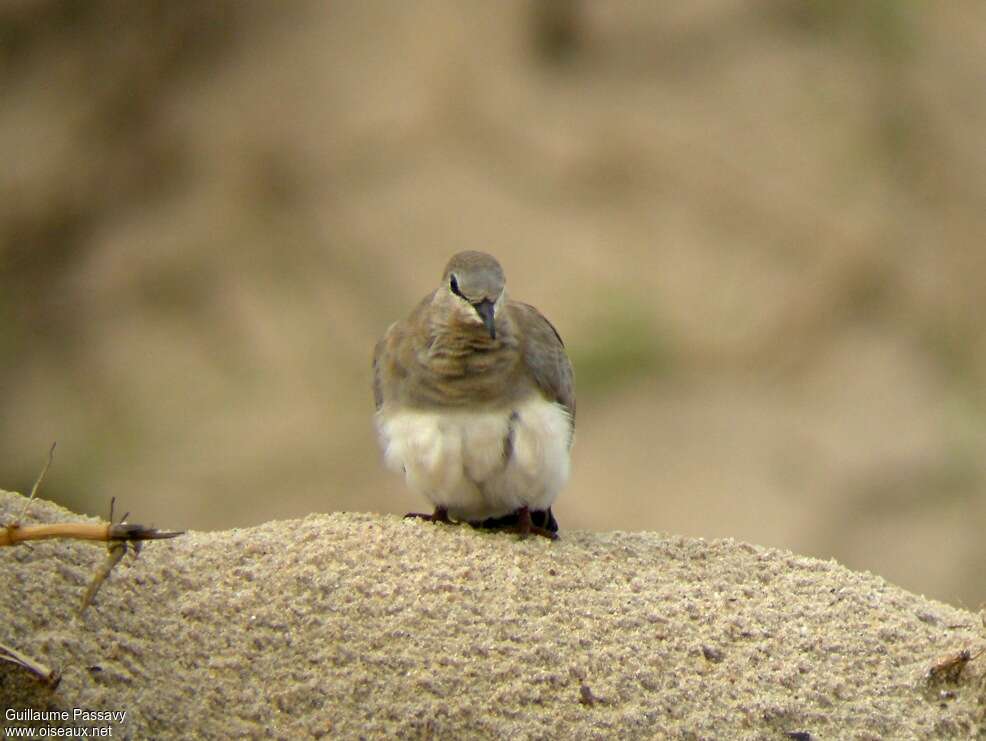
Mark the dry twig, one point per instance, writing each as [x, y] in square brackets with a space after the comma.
[117, 536]
[114, 552]
[949, 668]
[48, 677]
[106, 532]
[15, 532]
[116, 548]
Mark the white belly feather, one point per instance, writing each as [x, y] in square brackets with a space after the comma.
[462, 461]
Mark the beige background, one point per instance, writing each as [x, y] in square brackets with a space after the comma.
[758, 226]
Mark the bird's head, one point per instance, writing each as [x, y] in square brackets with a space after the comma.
[473, 289]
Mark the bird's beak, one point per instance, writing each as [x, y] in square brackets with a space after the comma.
[485, 310]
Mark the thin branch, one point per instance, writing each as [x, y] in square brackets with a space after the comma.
[950, 668]
[119, 536]
[49, 677]
[99, 531]
[37, 483]
[114, 553]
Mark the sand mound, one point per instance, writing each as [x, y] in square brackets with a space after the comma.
[358, 624]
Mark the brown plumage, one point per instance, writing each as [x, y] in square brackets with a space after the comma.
[468, 376]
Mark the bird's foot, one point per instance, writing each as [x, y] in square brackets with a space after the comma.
[439, 515]
[526, 526]
[524, 523]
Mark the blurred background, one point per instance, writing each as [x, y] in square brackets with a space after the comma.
[758, 226]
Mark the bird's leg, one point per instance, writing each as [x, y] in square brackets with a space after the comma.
[523, 522]
[439, 515]
[525, 526]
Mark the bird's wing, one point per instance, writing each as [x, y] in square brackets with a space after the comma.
[545, 357]
[378, 359]
[394, 353]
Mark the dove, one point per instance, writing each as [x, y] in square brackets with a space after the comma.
[475, 402]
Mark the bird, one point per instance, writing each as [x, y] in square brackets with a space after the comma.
[475, 403]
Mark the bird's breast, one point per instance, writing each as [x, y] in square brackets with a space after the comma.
[443, 446]
[455, 376]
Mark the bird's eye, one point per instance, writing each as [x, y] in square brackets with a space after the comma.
[453, 285]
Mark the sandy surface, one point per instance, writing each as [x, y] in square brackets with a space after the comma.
[350, 625]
